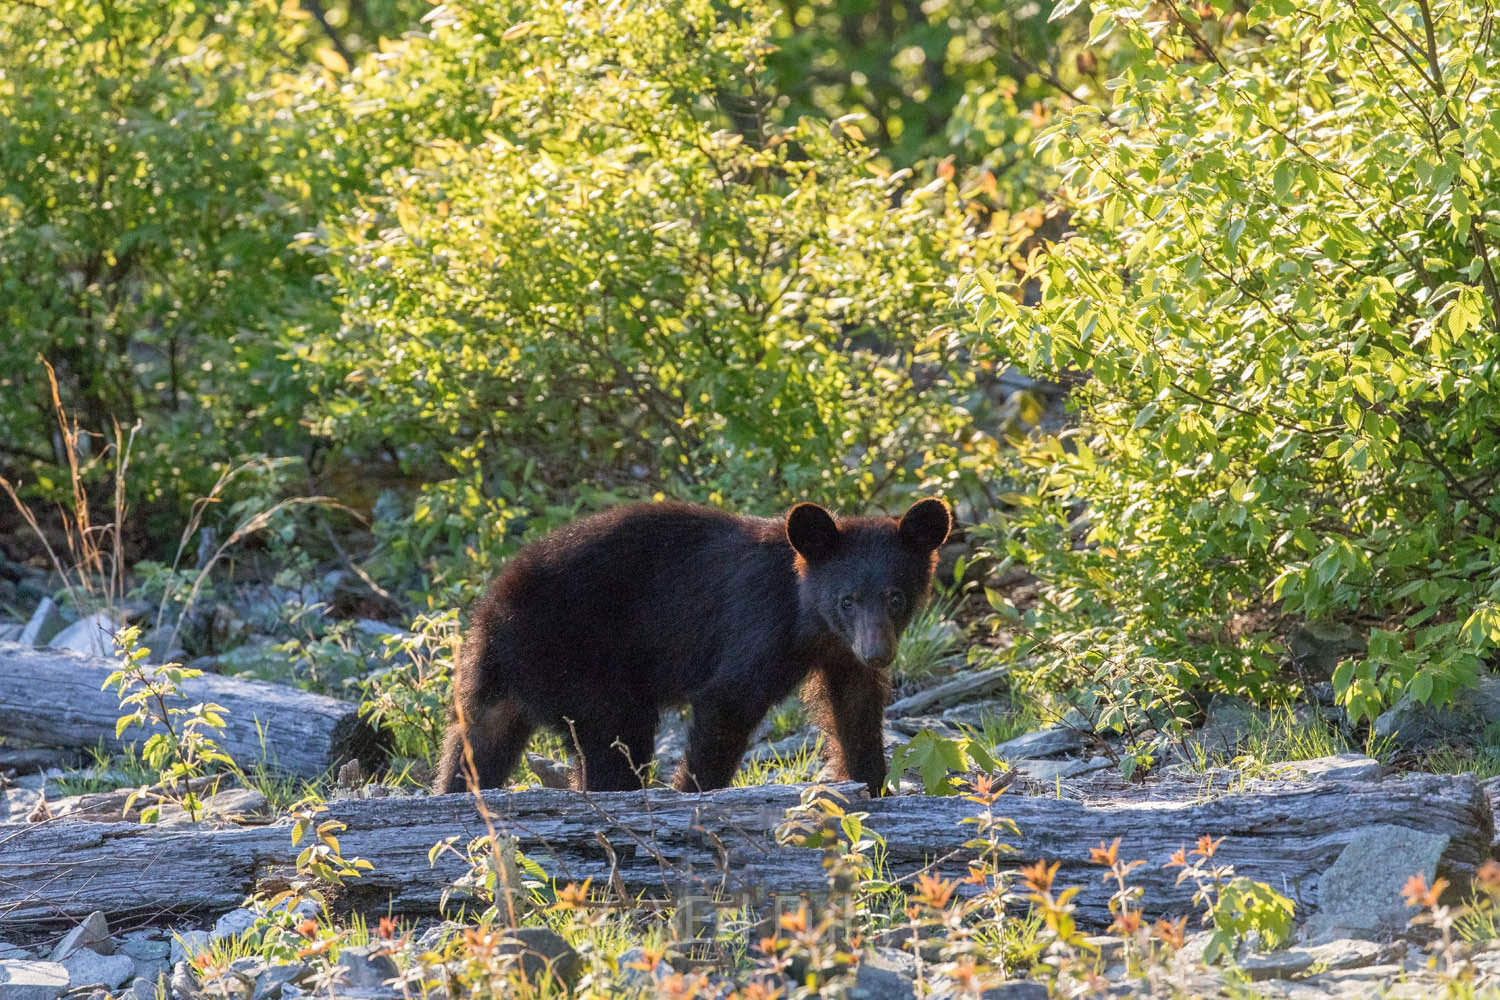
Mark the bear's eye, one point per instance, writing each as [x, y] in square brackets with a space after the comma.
[896, 600]
[846, 603]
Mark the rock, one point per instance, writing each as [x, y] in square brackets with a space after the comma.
[93, 933]
[1349, 953]
[1359, 896]
[671, 740]
[894, 959]
[183, 984]
[913, 724]
[878, 978]
[1108, 947]
[89, 968]
[246, 969]
[233, 805]
[634, 977]
[541, 949]
[14, 951]
[1361, 982]
[304, 909]
[273, 982]
[1015, 989]
[142, 988]
[550, 773]
[1052, 770]
[433, 937]
[185, 945]
[38, 781]
[151, 969]
[93, 634]
[11, 631]
[925, 941]
[783, 749]
[366, 966]
[25, 980]
[1042, 743]
[1275, 964]
[16, 804]
[145, 946]
[1472, 710]
[372, 627]
[29, 760]
[45, 622]
[975, 713]
[1318, 647]
[1226, 724]
[1339, 767]
[233, 924]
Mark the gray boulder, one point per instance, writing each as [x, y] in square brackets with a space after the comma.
[1359, 896]
[541, 949]
[89, 968]
[146, 946]
[366, 967]
[186, 944]
[27, 980]
[45, 622]
[1339, 767]
[1471, 712]
[885, 974]
[632, 976]
[93, 934]
[92, 634]
[1015, 989]
[183, 984]
[281, 981]
[233, 924]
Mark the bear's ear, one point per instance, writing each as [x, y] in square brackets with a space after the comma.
[812, 531]
[925, 524]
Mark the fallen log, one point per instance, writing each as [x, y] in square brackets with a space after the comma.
[666, 844]
[53, 697]
[962, 688]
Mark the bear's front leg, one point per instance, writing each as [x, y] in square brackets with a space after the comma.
[847, 700]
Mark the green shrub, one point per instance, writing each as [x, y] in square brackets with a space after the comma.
[614, 294]
[144, 225]
[957, 78]
[1282, 291]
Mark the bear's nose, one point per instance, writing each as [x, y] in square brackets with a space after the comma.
[873, 651]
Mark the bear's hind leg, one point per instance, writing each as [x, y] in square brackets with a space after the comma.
[497, 738]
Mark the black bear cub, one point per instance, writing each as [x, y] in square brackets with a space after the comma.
[595, 628]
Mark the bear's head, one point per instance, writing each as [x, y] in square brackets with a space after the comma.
[864, 577]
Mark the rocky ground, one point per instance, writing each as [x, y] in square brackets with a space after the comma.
[1356, 944]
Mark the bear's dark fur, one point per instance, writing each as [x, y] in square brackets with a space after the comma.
[595, 628]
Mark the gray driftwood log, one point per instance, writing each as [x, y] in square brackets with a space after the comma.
[53, 696]
[666, 844]
[961, 689]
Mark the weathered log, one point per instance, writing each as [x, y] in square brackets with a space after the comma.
[961, 689]
[53, 697]
[667, 844]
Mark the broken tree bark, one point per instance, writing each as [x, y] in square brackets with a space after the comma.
[667, 844]
[53, 696]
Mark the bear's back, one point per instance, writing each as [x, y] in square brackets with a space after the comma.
[650, 596]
